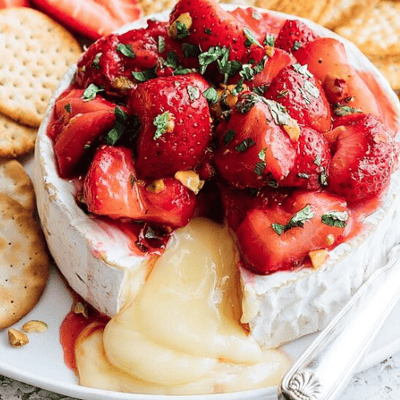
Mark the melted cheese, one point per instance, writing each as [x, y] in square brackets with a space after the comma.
[184, 326]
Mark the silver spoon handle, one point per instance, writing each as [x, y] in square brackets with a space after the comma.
[326, 367]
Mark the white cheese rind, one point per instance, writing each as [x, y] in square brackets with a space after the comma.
[94, 257]
[97, 262]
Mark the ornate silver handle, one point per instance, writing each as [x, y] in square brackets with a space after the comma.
[326, 367]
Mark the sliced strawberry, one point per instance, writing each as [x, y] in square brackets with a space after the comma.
[277, 60]
[253, 149]
[327, 61]
[238, 202]
[312, 161]
[175, 124]
[364, 157]
[282, 237]
[111, 188]
[296, 88]
[294, 35]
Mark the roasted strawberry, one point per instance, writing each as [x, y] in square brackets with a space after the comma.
[363, 159]
[293, 35]
[282, 237]
[175, 124]
[79, 123]
[327, 61]
[296, 88]
[254, 150]
[312, 161]
[111, 189]
[117, 63]
[238, 202]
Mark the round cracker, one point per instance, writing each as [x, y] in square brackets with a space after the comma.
[310, 9]
[152, 7]
[15, 182]
[35, 52]
[24, 261]
[15, 139]
[339, 12]
[377, 32]
[390, 68]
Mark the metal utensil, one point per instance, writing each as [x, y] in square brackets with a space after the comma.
[325, 368]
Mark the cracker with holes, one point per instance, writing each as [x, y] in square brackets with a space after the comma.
[35, 52]
[15, 139]
[15, 182]
[24, 261]
[376, 33]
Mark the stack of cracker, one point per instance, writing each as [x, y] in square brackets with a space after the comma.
[35, 52]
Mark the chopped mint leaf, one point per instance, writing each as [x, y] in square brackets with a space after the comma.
[251, 39]
[259, 168]
[238, 88]
[260, 89]
[255, 15]
[126, 50]
[190, 50]
[318, 161]
[228, 137]
[298, 220]
[183, 71]
[182, 30]
[302, 69]
[261, 154]
[68, 107]
[91, 92]
[208, 31]
[302, 175]
[269, 40]
[211, 95]
[208, 57]
[323, 178]
[278, 112]
[278, 228]
[160, 122]
[247, 102]
[119, 127]
[143, 76]
[245, 144]
[312, 89]
[337, 219]
[96, 61]
[161, 44]
[194, 92]
[172, 60]
[342, 111]
[282, 93]
[296, 45]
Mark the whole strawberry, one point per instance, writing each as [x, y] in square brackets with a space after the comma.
[175, 124]
[296, 88]
[363, 159]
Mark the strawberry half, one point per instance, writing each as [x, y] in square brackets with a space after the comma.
[363, 159]
[253, 149]
[175, 124]
[296, 88]
[111, 188]
[282, 237]
[293, 35]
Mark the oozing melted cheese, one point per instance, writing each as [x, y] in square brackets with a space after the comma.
[182, 333]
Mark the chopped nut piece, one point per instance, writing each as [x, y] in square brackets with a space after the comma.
[81, 308]
[269, 51]
[293, 130]
[190, 179]
[156, 187]
[34, 326]
[226, 99]
[122, 83]
[330, 239]
[318, 257]
[184, 19]
[17, 338]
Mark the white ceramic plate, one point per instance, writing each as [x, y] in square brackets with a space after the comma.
[41, 364]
